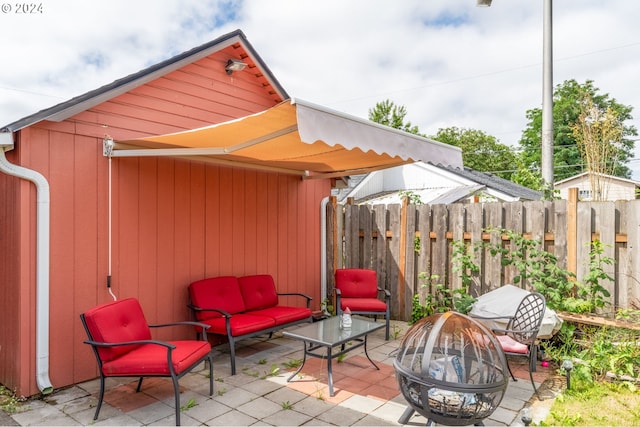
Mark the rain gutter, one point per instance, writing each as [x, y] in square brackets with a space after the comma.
[42, 259]
[323, 249]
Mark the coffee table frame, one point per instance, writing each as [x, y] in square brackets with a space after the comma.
[327, 334]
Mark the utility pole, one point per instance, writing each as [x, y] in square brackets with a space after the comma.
[546, 143]
[547, 100]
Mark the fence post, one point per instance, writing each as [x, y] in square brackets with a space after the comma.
[334, 245]
[572, 231]
[402, 256]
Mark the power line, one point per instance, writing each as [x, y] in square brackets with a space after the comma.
[488, 74]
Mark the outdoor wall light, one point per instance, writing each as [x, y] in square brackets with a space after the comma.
[483, 3]
[526, 416]
[567, 365]
[234, 65]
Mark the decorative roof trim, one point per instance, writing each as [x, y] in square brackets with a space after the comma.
[94, 97]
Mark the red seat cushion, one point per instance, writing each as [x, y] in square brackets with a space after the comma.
[258, 291]
[357, 283]
[363, 304]
[241, 324]
[284, 314]
[216, 292]
[510, 345]
[117, 321]
[151, 359]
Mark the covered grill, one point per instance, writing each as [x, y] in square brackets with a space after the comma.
[451, 369]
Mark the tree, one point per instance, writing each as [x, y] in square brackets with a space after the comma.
[598, 134]
[480, 151]
[388, 114]
[567, 159]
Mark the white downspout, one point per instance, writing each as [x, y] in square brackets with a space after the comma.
[323, 249]
[42, 259]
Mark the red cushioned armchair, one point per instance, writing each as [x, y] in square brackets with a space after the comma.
[121, 340]
[358, 289]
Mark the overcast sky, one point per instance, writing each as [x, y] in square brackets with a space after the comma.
[448, 62]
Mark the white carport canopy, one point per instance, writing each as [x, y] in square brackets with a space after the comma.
[296, 137]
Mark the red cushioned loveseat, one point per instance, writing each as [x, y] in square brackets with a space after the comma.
[243, 307]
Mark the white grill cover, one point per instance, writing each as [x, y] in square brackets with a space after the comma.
[504, 302]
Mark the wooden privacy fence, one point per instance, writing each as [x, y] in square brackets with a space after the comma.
[383, 238]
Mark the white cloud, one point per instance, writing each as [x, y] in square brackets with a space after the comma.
[448, 62]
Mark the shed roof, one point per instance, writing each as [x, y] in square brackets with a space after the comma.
[94, 97]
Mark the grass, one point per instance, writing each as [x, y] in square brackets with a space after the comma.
[287, 405]
[598, 404]
[8, 401]
[190, 404]
[292, 363]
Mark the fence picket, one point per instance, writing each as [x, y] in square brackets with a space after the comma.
[371, 237]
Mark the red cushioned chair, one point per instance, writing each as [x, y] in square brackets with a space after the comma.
[358, 289]
[121, 340]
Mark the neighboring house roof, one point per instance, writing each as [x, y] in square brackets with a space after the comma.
[586, 175]
[456, 194]
[598, 186]
[434, 196]
[494, 181]
[94, 97]
[433, 184]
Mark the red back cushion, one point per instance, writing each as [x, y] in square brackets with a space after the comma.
[117, 321]
[357, 283]
[216, 292]
[258, 291]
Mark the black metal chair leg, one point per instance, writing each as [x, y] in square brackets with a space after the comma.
[176, 391]
[210, 374]
[511, 373]
[100, 398]
[232, 349]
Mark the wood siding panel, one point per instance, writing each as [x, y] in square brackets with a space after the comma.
[213, 225]
[10, 249]
[250, 223]
[152, 260]
[197, 222]
[64, 263]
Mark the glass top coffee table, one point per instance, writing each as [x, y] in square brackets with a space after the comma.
[327, 334]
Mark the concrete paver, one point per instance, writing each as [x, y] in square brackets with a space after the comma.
[256, 395]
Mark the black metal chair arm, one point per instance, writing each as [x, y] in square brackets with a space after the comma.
[204, 326]
[123, 343]
[475, 316]
[513, 331]
[186, 323]
[387, 294]
[297, 294]
[217, 310]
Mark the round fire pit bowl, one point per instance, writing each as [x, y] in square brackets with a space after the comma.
[451, 369]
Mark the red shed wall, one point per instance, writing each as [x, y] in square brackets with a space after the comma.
[10, 273]
[174, 221]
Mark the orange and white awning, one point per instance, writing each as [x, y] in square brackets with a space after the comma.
[296, 137]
